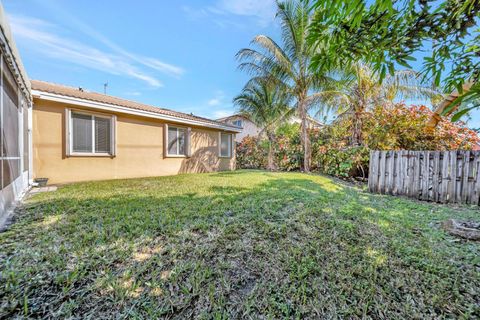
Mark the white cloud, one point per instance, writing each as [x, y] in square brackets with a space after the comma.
[217, 99]
[46, 39]
[217, 114]
[86, 29]
[213, 102]
[263, 11]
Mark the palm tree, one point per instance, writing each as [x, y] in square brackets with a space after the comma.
[363, 90]
[266, 105]
[288, 65]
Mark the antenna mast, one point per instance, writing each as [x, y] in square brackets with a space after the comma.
[105, 85]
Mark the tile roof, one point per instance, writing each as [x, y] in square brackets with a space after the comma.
[102, 98]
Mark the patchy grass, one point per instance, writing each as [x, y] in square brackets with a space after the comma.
[247, 244]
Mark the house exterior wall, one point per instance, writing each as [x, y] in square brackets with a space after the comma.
[139, 149]
[249, 128]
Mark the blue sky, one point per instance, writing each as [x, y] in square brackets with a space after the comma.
[173, 54]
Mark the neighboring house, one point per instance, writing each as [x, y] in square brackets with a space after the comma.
[15, 120]
[82, 136]
[311, 122]
[249, 128]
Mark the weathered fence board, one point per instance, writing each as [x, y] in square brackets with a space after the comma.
[439, 176]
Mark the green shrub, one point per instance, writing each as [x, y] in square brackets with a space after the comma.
[251, 153]
[345, 162]
[395, 128]
[289, 154]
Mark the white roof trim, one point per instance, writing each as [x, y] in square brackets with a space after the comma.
[114, 108]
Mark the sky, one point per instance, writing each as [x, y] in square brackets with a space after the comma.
[173, 54]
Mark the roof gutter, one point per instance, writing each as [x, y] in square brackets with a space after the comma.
[114, 108]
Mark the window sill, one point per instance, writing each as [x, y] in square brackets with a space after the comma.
[95, 155]
[225, 157]
[175, 156]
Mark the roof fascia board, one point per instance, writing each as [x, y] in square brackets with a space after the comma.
[114, 108]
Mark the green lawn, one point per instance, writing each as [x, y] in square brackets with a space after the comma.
[247, 244]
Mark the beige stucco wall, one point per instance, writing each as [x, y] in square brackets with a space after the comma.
[139, 149]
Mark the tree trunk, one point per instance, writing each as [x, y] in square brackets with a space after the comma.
[305, 139]
[271, 159]
[437, 113]
[357, 137]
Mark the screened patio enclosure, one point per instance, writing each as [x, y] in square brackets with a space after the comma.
[15, 122]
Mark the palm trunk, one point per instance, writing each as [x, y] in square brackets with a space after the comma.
[305, 139]
[437, 113]
[357, 137]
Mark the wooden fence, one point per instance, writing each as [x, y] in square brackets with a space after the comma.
[440, 176]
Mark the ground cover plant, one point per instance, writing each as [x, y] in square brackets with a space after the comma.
[246, 244]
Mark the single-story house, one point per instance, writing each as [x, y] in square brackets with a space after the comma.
[67, 134]
[83, 136]
[15, 122]
[249, 128]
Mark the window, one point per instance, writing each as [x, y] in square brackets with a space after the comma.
[91, 134]
[238, 123]
[225, 145]
[177, 141]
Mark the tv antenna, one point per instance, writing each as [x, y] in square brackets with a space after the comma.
[105, 85]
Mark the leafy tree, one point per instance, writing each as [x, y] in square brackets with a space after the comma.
[287, 65]
[363, 91]
[266, 105]
[387, 33]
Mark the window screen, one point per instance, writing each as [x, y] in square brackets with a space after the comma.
[177, 138]
[237, 123]
[225, 145]
[102, 135]
[81, 133]
[91, 134]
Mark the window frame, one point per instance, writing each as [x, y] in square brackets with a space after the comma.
[92, 114]
[187, 141]
[238, 125]
[230, 149]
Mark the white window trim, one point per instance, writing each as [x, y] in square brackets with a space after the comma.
[230, 149]
[69, 147]
[187, 142]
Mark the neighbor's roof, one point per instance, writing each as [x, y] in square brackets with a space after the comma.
[239, 115]
[236, 115]
[41, 89]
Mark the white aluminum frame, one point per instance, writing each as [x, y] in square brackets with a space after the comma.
[113, 139]
[187, 141]
[230, 145]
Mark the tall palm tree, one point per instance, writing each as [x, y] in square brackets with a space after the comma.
[266, 105]
[362, 90]
[287, 65]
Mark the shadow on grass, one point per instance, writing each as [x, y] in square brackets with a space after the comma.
[280, 247]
